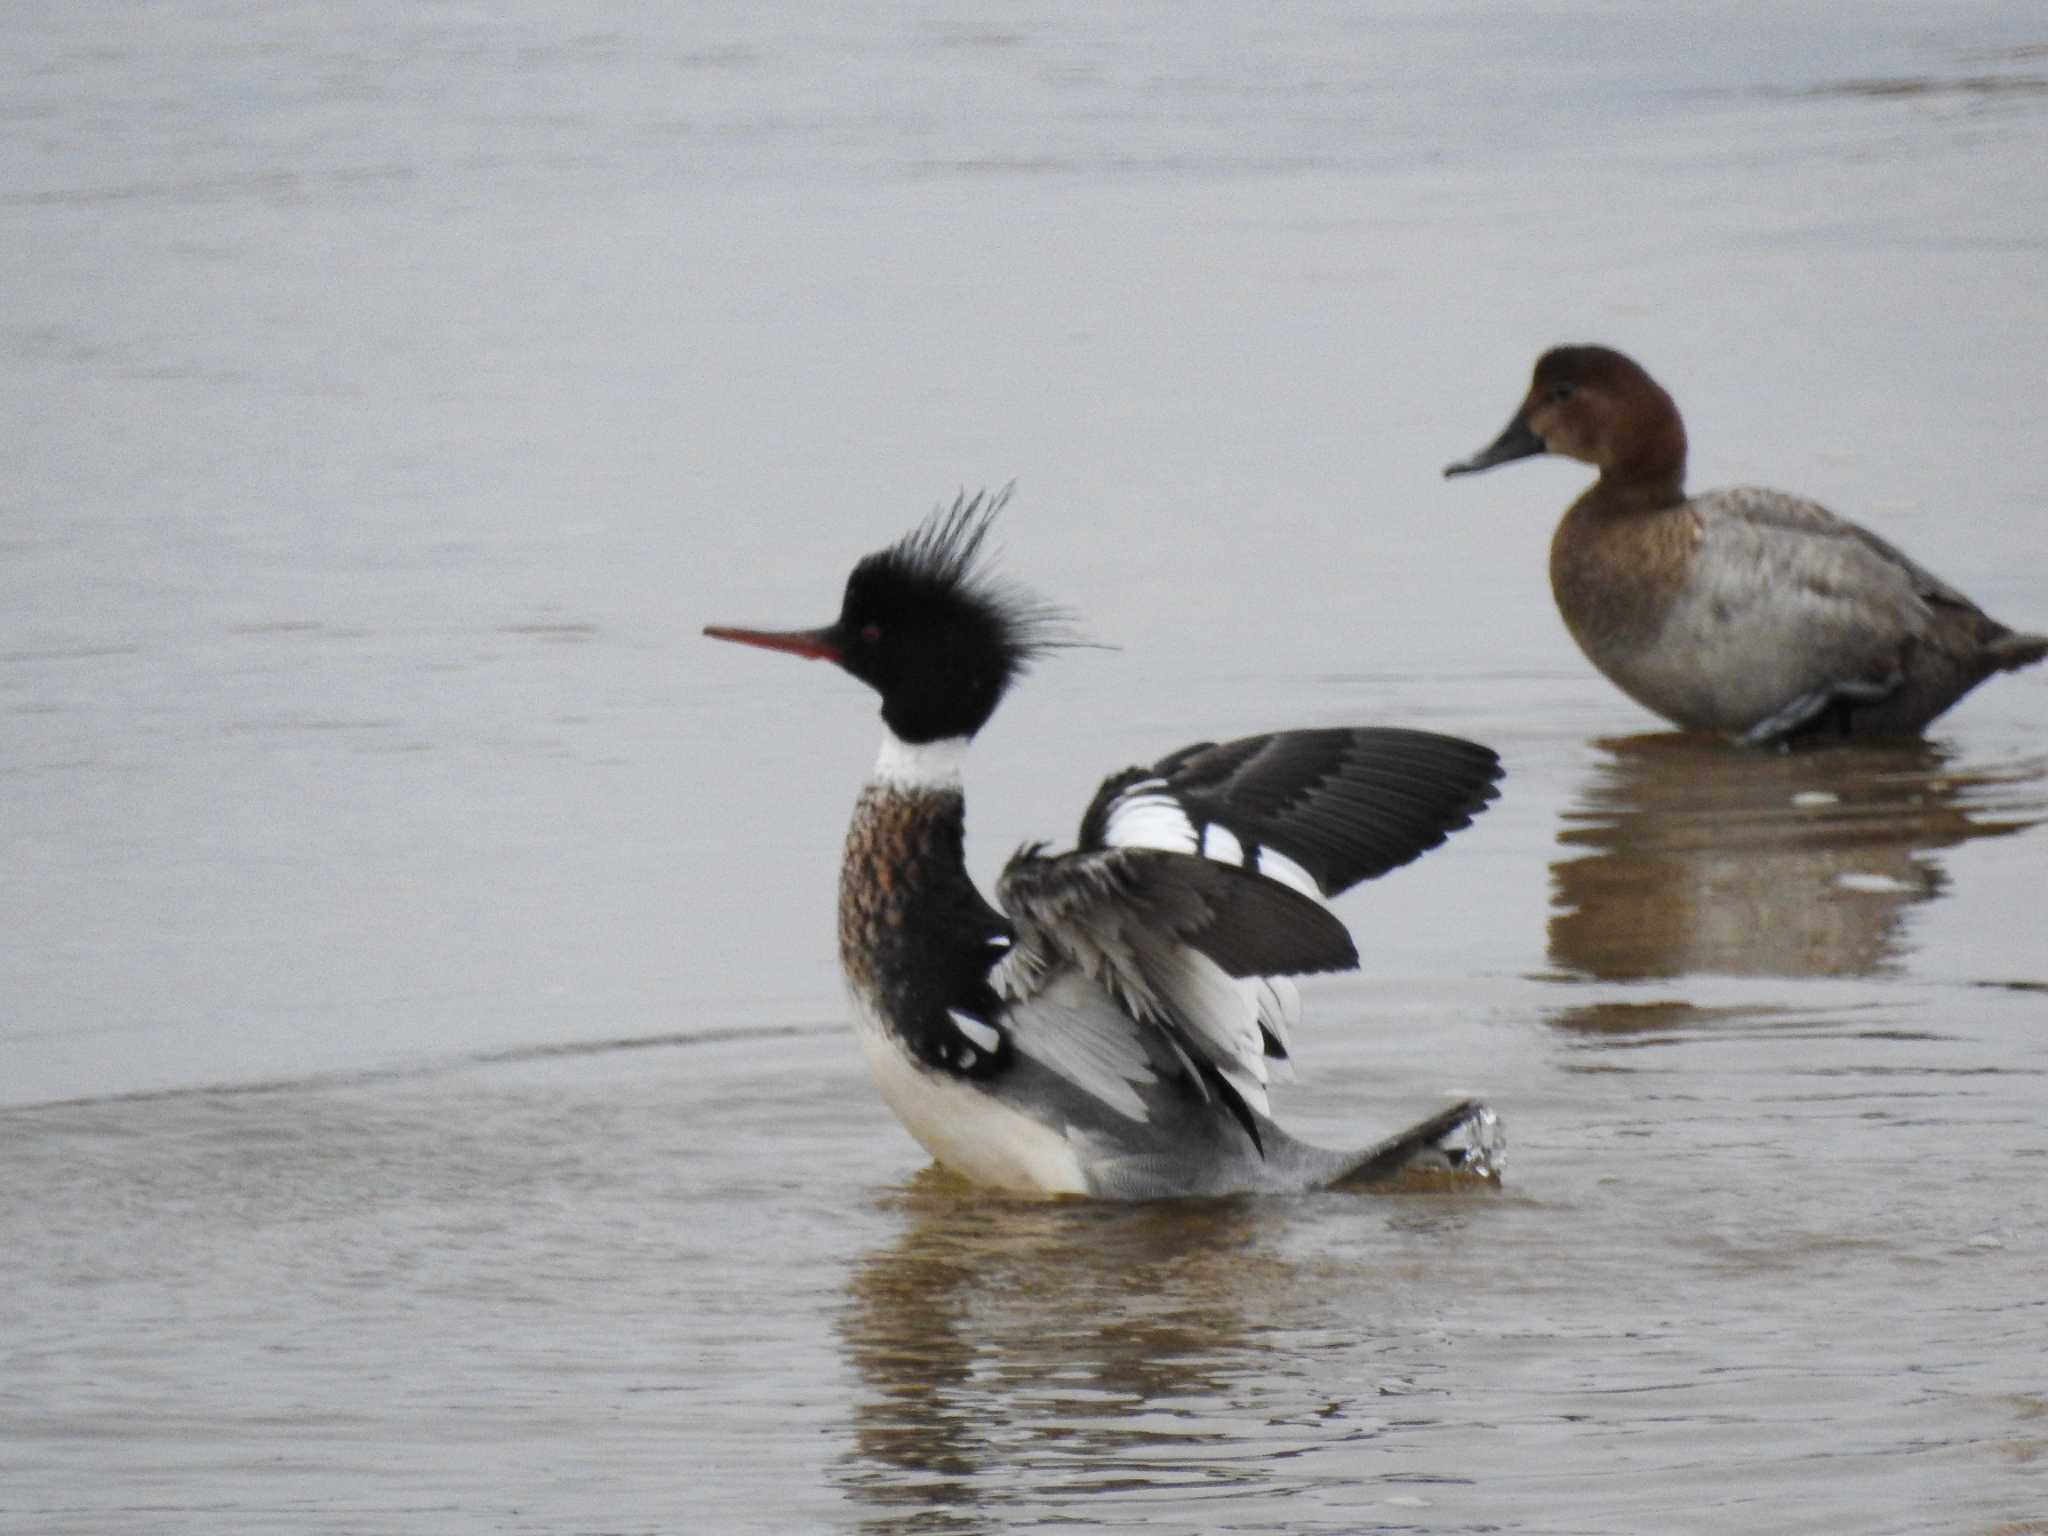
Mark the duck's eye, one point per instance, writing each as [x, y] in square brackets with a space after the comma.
[871, 634]
[1559, 393]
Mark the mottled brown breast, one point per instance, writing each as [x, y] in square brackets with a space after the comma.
[896, 884]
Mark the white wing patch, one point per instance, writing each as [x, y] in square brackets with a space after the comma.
[1277, 866]
[1144, 816]
[1148, 815]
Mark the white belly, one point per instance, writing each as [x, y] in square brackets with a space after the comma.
[965, 1129]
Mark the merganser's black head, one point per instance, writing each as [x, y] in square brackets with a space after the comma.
[925, 625]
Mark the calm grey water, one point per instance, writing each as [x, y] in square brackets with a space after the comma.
[424, 1098]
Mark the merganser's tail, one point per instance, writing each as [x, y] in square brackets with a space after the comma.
[1467, 1139]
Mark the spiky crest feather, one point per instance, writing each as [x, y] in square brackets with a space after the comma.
[942, 559]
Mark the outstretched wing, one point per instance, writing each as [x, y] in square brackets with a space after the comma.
[1319, 809]
[1195, 892]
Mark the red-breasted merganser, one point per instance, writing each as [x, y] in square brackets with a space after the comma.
[1109, 1031]
[1751, 612]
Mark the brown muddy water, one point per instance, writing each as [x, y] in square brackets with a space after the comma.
[427, 1103]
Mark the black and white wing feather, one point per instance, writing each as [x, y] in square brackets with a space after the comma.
[1320, 809]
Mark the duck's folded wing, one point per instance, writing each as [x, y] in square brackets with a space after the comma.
[1823, 546]
[1838, 603]
[1177, 942]
[1319, 809]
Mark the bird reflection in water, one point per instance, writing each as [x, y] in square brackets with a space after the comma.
[1027, 1356]
[1685, 856]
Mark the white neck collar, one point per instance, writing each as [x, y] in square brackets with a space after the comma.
[925, 765]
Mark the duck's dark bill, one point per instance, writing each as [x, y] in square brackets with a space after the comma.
[1517, 442]
[815, 644]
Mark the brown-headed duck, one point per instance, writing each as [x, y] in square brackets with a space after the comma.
[1751, 612]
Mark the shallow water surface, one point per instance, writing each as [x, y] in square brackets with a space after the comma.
[427, 1103]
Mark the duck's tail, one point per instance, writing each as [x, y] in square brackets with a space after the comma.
[2009, 652]
[1467, 1140]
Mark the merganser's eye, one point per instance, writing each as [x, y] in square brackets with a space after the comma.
[871, 634]
[1559, 393]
